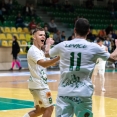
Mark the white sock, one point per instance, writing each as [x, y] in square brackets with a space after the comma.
[26, 115]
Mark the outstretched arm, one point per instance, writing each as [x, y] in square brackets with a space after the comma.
[47, 63]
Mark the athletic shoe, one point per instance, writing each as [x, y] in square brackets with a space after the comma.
[103, 89]
[94, 86]
[20, 68]
[11, 69]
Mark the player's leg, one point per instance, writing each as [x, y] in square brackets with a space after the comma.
[101, 75]
[13, 62]
[94, 75]
[48, 111]
[83, 107]
[17, 62]
[43, 103]
[63, 107]
[47, 103]
[35, 113]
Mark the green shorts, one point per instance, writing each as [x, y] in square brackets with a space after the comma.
[68, 106]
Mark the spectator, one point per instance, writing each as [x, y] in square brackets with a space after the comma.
[63, 37]
[115, 4]
[107, 43]
[102, 33]
[57, 37]
[19, 22]
[113, 14]
[89, 4]
[1, 17]
[4, 8]
[46, 3]
[109, 28]
[15, 51]
[55, 3]
[90, 36]
[32, 11]
[10, 4]
[26, 10]
[71, 37]
[32, 25]
[52, 26]
[110, 4]
[114, 36]
[68, 7]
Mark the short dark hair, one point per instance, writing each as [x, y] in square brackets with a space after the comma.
[99, 40]
[37, 29]
[82, 26]
[15, 37]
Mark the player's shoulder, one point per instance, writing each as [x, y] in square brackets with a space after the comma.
[94, 46]
[33, 49]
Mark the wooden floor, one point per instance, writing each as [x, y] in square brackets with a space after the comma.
[16, 100]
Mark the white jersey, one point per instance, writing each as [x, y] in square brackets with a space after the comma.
[77, 61]
[38, 77]
[100, 61]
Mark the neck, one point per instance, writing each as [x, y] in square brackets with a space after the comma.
[38, 46]
[80, 37]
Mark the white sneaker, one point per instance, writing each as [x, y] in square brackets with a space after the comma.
[103, 89]
[94, 86]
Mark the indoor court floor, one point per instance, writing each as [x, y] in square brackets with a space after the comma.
[16, 100]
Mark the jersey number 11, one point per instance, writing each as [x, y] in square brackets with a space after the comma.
[77, 68]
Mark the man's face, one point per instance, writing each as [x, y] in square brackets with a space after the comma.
[39, 38]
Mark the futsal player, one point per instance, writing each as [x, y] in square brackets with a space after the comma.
[37, 83]
[100, 67]
[77, 61]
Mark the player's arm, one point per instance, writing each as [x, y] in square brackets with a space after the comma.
[48, 63]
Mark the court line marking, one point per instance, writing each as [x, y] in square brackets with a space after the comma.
[26, 73]
[15, 103]
[14, 109]
[17, 99]
[105, 97]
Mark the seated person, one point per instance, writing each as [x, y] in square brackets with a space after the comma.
[52, 26]
[63, 37]
[32, 24]
[19, 22]
[57, 37]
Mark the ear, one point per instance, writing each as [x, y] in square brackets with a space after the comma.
[34, 37]
[88, 31]
[75, 31]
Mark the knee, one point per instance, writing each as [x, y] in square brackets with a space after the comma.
[50, 109]
[39, 111]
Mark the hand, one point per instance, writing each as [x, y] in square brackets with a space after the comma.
[49, 41]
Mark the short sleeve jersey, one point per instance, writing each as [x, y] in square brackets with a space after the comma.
[77, 61]
[38, 77]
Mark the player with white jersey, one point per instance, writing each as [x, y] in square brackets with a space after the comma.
[38, 79]
[77, 61]
[100, 67]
